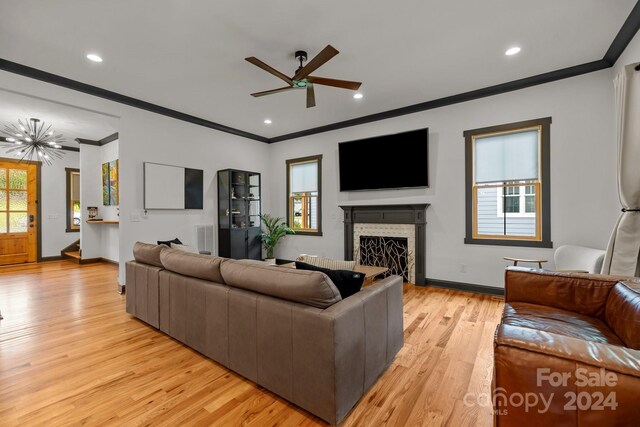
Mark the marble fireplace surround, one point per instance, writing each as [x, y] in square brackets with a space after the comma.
[369, 220]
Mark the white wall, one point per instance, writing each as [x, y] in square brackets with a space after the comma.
[54, 203]
[97, 240]
[90, 195]
[584, 201]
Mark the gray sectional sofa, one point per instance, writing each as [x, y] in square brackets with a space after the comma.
[287, 330]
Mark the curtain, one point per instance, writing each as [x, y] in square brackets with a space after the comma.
[624, 245]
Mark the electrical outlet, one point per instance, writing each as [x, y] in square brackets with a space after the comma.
[463, 268]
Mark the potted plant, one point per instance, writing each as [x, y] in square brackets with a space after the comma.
[273, 229]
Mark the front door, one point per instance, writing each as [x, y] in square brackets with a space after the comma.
[18, 212]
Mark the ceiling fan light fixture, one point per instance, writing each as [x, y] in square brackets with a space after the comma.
[302, 79]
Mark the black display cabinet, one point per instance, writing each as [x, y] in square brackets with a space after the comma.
[239, 210]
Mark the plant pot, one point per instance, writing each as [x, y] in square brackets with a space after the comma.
[271, 261]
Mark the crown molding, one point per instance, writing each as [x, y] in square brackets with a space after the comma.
[34, 73]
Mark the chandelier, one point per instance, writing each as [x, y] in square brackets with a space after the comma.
[33, 141]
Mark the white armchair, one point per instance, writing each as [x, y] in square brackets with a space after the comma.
[578, 258]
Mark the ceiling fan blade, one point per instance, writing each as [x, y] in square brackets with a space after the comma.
[325, 54]
[269, 92]
[311, 96]
[344, 84]
[269, 69]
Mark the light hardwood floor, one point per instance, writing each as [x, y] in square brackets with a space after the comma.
[70, 355]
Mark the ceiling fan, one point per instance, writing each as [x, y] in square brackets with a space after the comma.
[302, 78]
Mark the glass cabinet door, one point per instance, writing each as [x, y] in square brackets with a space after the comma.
[224, 207]
[253, 200]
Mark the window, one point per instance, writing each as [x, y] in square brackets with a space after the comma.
[507, 185]
[73, 200]
[517, 201]
[13, 201]
[304, 195]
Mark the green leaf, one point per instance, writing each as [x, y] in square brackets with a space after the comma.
[274, 229]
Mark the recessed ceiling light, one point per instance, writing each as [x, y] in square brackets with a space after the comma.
[512, 51]
[267, 121]
[357, 96]
[93, 57]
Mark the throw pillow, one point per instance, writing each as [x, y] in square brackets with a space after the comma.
[332, 264]
[184, 248]
[347, 282]
[169, 242]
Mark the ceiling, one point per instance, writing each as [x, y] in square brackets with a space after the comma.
[71, 122]
[188, 55]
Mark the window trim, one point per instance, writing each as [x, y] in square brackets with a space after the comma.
[317, 158]
[544, 198]
[70, 229]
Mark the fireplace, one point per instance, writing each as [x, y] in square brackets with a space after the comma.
[390, 252]
[393, 224]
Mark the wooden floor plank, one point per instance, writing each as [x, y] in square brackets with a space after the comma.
[70, 355]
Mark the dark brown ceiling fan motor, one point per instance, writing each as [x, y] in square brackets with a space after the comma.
[302, 78]
[301, 56]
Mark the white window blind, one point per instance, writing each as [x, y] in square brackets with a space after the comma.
[507, 157]
[304, 177]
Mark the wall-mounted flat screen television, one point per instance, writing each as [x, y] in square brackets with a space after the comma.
[393, 161]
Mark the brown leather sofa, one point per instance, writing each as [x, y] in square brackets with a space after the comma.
[567, 351]
[285, 329]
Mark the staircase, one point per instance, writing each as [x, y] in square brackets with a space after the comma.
[72, 252]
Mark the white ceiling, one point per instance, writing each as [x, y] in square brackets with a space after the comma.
[70, 121]
[188, 55]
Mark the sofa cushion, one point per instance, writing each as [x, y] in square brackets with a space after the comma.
[623, 312]
[347, 282]
[306, 287]
[557, 321]
[205, 267]
[148, 253]
[184, 248]
[332, 264]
